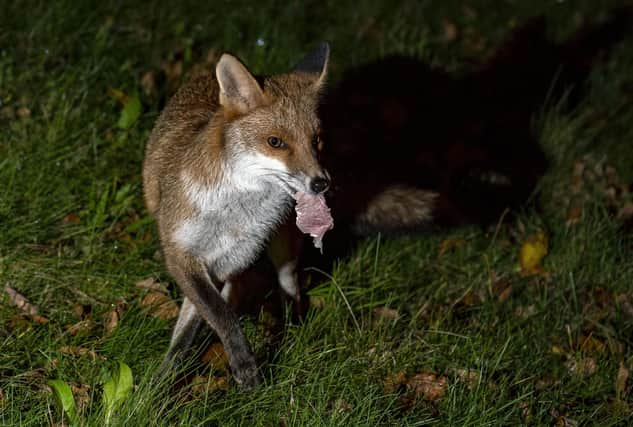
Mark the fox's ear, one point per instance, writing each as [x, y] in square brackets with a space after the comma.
[316, 62]
[238, 88]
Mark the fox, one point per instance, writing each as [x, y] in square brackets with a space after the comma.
[223, 164]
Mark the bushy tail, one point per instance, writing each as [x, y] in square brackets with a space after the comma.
[396, 209]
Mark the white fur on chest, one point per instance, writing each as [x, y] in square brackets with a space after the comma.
[235, 217]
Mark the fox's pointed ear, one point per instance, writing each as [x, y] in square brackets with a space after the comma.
[238, 88]
[316, 62]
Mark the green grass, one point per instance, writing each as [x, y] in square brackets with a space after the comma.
[73, 230]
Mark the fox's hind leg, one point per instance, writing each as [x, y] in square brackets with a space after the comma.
[187, 326]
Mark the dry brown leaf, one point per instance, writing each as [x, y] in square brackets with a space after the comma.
[584, 367]
[78, 351]
[39, 319]
[448, 245]
[574, 214]
[469, 377]
[152, 284]
[591, 345]
[562, 420]
[386, 313]
[216, 357]
[526, 412]
[428, 385]
[71, 218]
[161, 305]
[118, 95]
[2, 397]
[525, 312]
[620, 380]
[340, 406]
[82, 310]
[20, 301]
[201, 385]
[81, 326]
[24, 113]
[505, 294]
[81, 393]
[111, 321]
[394, 382]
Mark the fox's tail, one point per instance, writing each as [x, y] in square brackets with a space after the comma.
[396, 209]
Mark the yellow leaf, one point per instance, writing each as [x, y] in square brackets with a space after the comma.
[532, 253]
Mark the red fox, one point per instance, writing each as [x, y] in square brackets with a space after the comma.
[223, 163]
[226, 160]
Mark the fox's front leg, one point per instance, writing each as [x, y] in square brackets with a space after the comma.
[284, 251]
[202, 294]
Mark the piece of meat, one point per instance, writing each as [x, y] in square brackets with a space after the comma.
[313, 216]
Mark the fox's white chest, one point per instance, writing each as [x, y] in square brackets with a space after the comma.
[232, 224]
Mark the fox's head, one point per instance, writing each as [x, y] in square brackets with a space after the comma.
[272, 130]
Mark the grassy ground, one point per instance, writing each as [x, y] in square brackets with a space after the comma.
[460, 336]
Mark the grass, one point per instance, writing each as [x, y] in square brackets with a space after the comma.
[73, 230]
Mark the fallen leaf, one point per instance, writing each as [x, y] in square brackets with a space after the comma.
[526, 412]
[591, 345]
[469, 377]
[532, 252]
[341, 406]
[428, 385]
[386, 313]
[620, 380]
[24, 305]
[71, 218]
[201, 385]
[394, 382]
[161, 305]
[574, 214]
[82, 310]
[584, 367]
[78, 351]
[20, 301]
[24, 113]
[82, 395]
[562, 420]
[525, 312]
[117, 94]
[216, 357]
[505, 294]
[152, 284]
[82, 326]
[448, 245]
[111, 321]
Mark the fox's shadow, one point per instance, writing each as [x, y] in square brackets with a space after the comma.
[469, 139]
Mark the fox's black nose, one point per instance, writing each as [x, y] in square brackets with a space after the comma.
[319, 185]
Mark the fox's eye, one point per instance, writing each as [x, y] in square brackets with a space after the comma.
[317, 143]
[275, 142]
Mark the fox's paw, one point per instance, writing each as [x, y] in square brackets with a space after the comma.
[245, 373]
